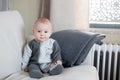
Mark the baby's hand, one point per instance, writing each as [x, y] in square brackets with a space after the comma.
[58, 62]
[25, 70]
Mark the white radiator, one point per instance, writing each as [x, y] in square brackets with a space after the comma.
[106, 60]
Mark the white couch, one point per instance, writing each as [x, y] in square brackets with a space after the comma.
[12, 40]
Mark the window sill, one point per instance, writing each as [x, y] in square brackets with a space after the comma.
[105, 31]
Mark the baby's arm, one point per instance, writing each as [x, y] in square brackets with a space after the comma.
[26, 57]
[56, 55]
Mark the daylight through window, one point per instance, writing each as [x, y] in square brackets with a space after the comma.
[104, 13]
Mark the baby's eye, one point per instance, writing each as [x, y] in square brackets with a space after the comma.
[46, 31]
[39, 31]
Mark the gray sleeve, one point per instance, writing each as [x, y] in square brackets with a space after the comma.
[56, 55]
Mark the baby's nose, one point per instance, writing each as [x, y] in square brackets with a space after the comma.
[42, 33]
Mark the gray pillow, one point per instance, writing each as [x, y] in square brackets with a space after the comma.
[75, 45]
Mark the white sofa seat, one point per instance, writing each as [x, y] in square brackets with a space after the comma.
[83, 72]
[12, 40]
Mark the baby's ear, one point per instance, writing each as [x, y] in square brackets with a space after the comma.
[33, 31]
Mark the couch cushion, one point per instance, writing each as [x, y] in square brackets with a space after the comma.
[75, 45]
[83, 72]
[11, 42]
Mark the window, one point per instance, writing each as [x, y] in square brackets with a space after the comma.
[4, 5]
[104, 14]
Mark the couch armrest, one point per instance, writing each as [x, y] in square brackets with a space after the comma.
[90, 57]
[12, 40]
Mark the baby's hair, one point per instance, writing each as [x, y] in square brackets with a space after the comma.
[43, 20]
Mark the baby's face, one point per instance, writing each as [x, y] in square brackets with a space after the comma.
[42, 32]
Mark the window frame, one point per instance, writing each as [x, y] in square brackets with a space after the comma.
[107, 25]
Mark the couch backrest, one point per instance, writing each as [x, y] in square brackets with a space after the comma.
[12, 39]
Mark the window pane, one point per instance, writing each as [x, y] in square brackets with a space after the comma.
[104, 12]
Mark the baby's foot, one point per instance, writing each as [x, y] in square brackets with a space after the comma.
[35, 74]
[56, 69]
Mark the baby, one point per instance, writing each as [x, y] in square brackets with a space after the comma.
[42, 54]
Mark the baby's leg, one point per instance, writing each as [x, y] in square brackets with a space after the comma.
[55, 69]
[45, 67]
[34, 71]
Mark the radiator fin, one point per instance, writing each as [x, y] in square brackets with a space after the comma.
[106, 60]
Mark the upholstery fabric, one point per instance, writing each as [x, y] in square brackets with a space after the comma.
[11, 42]
[75, 45]
[83, 72]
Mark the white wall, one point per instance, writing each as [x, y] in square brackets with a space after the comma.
[69, 14]
[29, 10]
